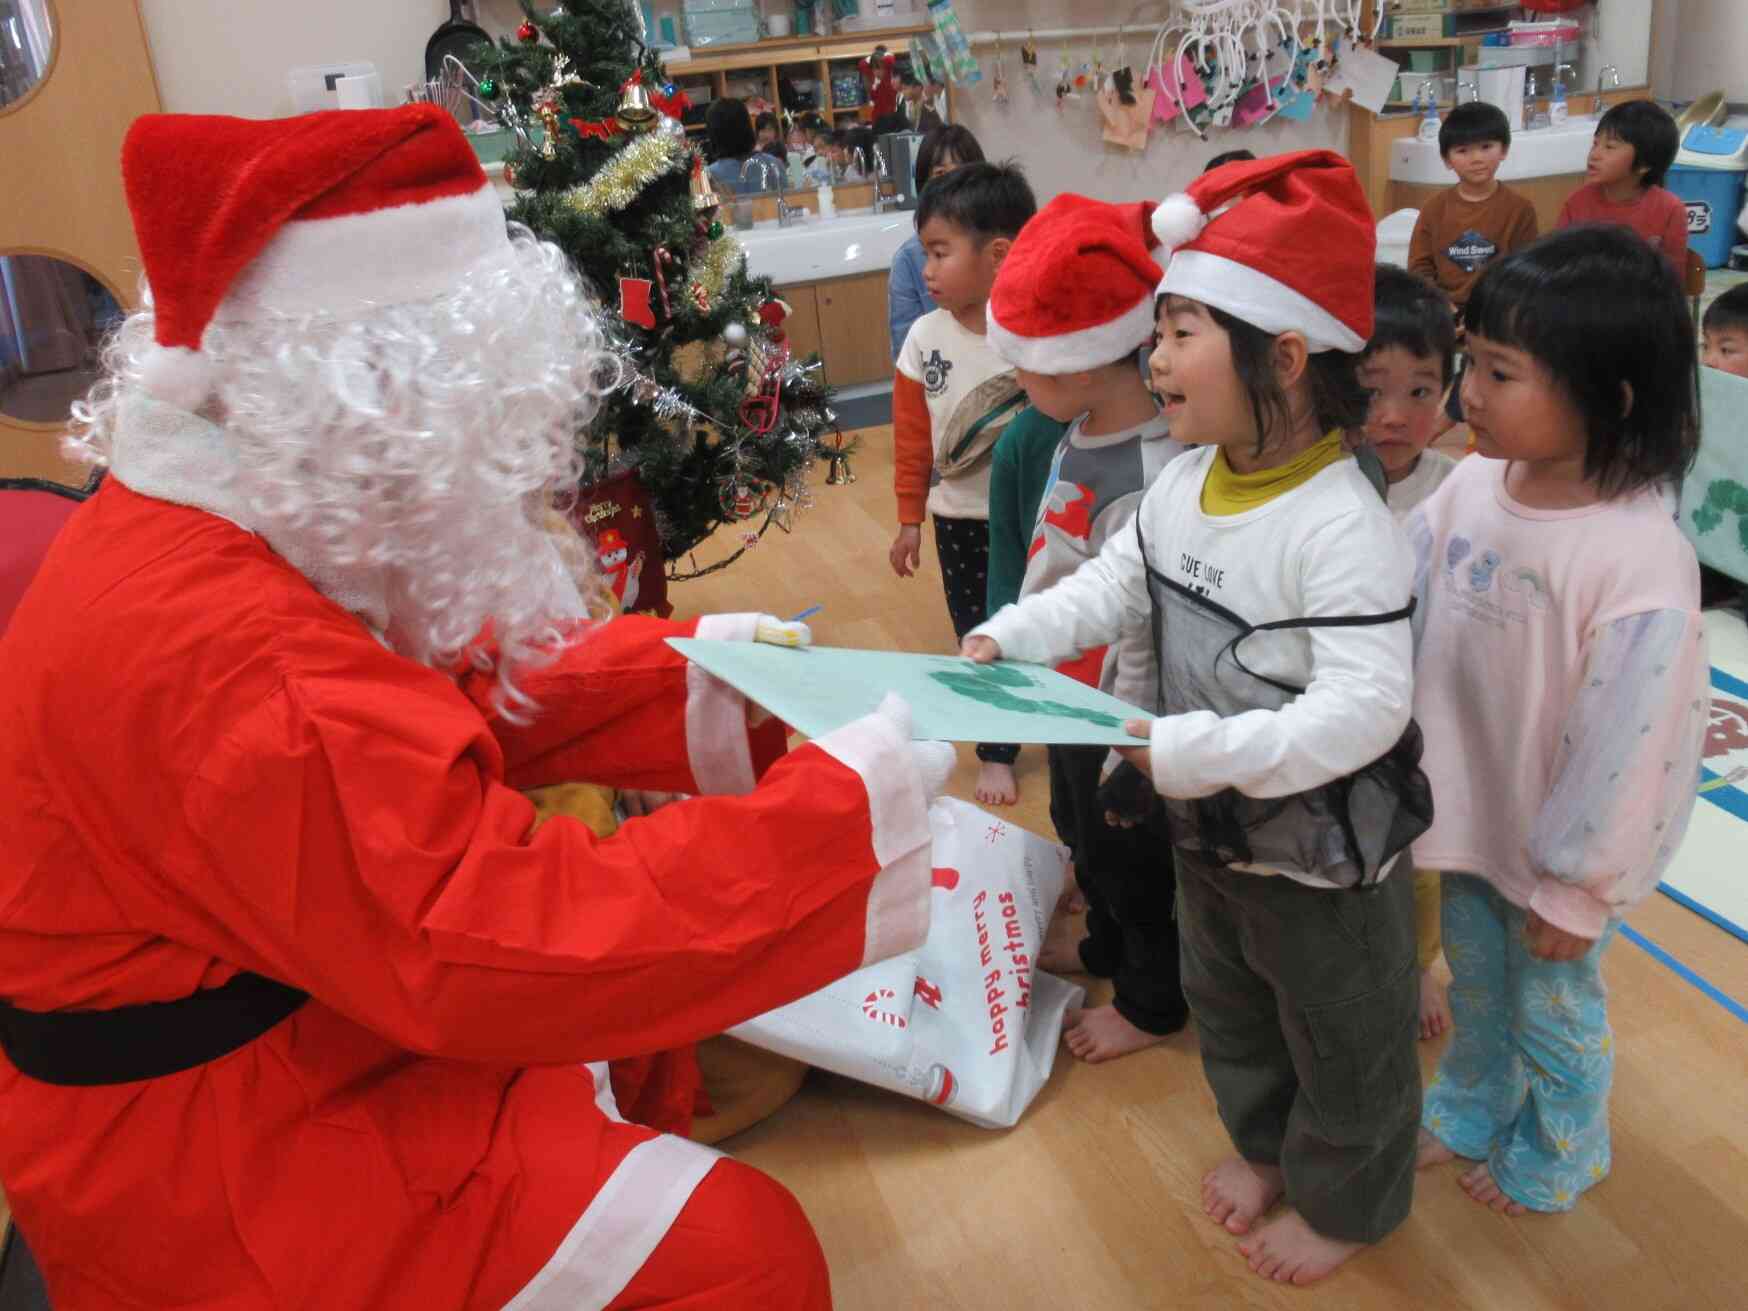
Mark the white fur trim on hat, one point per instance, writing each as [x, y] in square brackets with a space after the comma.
[1075, 352]
[177, 376]
[1259, 300]
[1178, 220]
[356, 263]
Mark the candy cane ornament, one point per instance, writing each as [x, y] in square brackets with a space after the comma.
[874, 1007]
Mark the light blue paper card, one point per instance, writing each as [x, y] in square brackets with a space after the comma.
[816, 689]
[1714, 499]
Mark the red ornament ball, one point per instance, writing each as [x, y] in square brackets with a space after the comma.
[528, 34]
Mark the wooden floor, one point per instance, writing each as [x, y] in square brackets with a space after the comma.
[1092, 1200]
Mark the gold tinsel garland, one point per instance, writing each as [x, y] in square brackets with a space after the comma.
[712, 269]
[622, 179]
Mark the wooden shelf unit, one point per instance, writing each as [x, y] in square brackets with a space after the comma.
[811, 56]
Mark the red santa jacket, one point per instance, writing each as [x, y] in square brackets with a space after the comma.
[207, 767]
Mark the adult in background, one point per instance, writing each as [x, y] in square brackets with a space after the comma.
[300, 1006]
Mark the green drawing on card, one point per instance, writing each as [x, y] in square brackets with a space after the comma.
[1725, 496]
[993, 684]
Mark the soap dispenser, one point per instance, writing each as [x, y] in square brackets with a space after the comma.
[1429, 125]
[1558, 110]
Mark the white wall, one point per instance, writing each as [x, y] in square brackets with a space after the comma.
[1063, 151]
[231, 56]
[1711, 49]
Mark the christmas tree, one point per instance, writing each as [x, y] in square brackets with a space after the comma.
[717, 421]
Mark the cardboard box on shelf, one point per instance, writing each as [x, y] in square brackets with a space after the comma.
[1418, 27]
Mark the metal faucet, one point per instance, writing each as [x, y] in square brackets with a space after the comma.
[882, 175]
[785, 212]
[859, 161]
[1474, 90]
[1614, 75]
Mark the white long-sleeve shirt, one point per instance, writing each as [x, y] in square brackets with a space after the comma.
[1326, 548]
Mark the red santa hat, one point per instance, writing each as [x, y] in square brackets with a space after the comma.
[1286, 244]
[336, 213]
[1076, 290]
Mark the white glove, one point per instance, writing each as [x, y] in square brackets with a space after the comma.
[934, 761]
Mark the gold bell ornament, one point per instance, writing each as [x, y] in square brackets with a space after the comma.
[634, 110]
[704, 197]
[837, 454]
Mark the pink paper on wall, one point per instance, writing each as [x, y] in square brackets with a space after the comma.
[1185, 82]
[1254, 107]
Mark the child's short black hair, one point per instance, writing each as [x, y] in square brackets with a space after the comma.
[1473, 124]
[1647, 127]
[1414, 314]
[730, 128]
[1228, 157]
[987, 200]
[949, 139]
[1560, 300]
[1729, 312]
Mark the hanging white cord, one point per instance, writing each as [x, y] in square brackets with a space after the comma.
[1271, 16]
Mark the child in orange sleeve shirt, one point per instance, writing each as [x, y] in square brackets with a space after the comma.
[951, 397]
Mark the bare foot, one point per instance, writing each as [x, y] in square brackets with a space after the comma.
[1478, 1183]
[996, 784]
[1060, 953]
[1236, 1192]
[1430, 1151]
[1099, 1033]
[1435, 1011]
[1289, 1251]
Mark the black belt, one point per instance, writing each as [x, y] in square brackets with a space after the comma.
[84, 1049]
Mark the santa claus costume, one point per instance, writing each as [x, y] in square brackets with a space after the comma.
[300, 1008]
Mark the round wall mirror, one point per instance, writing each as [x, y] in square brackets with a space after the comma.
[27, 48]
[53, 317]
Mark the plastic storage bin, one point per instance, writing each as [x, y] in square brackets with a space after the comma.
[1709, 173]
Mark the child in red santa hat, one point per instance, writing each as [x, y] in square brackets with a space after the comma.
[1275, 584]
[1071, 309]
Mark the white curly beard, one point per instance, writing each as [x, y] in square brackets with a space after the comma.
[411, 455]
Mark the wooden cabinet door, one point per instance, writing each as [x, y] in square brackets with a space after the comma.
[803, 321]
[61, 144]
[852, 330]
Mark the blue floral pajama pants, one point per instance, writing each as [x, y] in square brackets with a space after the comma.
[1524, 1083]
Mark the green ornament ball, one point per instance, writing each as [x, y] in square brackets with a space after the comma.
[715, 230]
[488, 88]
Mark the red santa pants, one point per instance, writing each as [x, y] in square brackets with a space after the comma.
[741, 1241]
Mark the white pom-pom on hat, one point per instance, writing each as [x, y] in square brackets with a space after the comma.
[1178, 220]
[177, 376]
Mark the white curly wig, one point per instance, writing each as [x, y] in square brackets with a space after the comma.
[422, 443]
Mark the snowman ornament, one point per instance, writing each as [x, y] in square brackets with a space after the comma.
[616, 563]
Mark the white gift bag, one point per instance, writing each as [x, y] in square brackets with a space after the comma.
[966, 1022]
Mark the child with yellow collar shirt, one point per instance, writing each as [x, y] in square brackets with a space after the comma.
[1277, 586]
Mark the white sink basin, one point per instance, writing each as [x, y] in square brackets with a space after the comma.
[1547, 152]
[811, 249]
